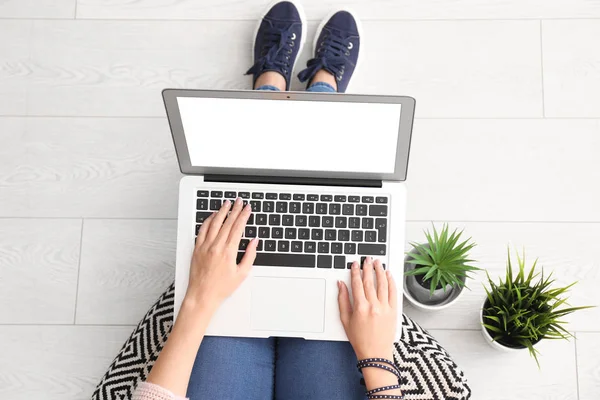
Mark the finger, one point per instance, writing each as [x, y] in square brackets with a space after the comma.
[203, 229]
[344, 303]
[358, 291]
[368, 281]
[237, 229]
[236, 209]
[247, 261]
[217, 223]
[392, 290]
[382, 283]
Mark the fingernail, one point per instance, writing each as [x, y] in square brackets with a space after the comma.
[238, 200]
[339, 284]
[255, 240]
[354, 265]
[225, 203]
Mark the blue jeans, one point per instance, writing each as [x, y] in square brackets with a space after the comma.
[283, 368]
[322, 87]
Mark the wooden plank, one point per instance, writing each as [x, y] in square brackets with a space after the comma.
[56, 362]
[504, 170]
[494, 375]
[571, 68]
[588, 365]
[377, 9]
[15, 66]
[124, 262]
[37, 8]
[38, 270]
[563, 248]
[87, 167]
[112, 68]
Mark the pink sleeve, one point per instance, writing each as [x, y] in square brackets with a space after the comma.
[150, 391]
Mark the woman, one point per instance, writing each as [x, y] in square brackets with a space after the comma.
[283, 368]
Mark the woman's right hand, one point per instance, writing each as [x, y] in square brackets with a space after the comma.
[370, 322]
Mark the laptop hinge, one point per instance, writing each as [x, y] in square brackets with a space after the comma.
[290, 180]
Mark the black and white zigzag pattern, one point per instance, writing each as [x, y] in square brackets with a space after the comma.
[140, 351]
[427, 370]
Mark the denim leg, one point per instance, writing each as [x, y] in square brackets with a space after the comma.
[323, 87]
[312, 369]
[267, 87]
[234, 369]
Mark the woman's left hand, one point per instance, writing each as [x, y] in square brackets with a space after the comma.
[214, 272]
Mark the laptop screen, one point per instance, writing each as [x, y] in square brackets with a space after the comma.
[291, 135]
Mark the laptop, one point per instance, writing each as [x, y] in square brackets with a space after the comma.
[324, 174]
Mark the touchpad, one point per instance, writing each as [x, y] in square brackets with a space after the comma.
[288, 304]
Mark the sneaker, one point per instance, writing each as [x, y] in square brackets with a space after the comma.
[336, 49]
[280, 35]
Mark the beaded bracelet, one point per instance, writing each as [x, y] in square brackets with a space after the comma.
[387, 396]
[381, 389]
[381, 366]
[376, 363]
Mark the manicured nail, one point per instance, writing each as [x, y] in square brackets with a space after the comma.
[238, 200]
[355, 265]
[339, 284]
[255, 240]
[225, 203]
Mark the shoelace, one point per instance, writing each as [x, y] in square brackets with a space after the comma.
[279, 43]
[331, 56]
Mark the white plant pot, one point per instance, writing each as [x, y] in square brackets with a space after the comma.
[421, 298]
[488, 338]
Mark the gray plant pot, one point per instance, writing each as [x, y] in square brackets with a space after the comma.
[420, 296]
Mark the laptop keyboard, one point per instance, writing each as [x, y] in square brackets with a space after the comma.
[307, 230]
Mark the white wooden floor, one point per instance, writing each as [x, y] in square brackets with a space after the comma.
[506, 144]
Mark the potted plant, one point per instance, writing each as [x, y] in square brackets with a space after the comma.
[436, 272]
[521, 310]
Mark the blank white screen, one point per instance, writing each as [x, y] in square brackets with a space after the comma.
[292, 135]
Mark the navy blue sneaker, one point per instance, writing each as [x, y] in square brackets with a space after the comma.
[280, 35]
[336, 49]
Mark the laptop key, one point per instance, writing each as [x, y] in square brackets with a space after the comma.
[314, 221]
[268, 206]
[334, 209]
[343, 235]
[339, 199]
[330, 234]
[288, 220]
[381, 226]
[295, 207]
[308, 208]
[270, 245]
[271, 196]
[250, 220]
[198, 229]
[202, 193]
[310, 247]
[370, 236]
[256, 206]
[321, 208]
[201, 216]
[323, 247]
[326, 197]
[290, 233]
[381, 200]
[372, 249]
[274, 219]
[354, 199]
[261, 219]
[300, 220]
[277, 233]
[337, 248]
[259, 246]
[215, 204]
[378, 211]
[285, 196]
[296, 247]
[303, 233]
[202, 204]
[367, 223]
[350, 248]
[244, 195]
[282, 260]
[353, 222]
[348, 209]
[317, 234]
[244, 244]
[327, 222]
[264, 232]
[324, 261]
[357, 236]
[368, 199]
[299, 197]
[258, 195]
[281, 207]
[341, 222]
[283, 246]
[361, 209]
[250, 232]
[216, 193]
[230, 195]
[339, 262]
